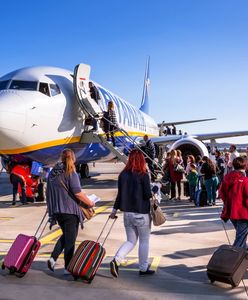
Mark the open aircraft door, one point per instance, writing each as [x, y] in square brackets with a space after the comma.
[81, 90]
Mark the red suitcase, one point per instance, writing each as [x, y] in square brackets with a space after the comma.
[88, 257]
[22, 253]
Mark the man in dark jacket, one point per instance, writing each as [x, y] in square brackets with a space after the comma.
[150, 151]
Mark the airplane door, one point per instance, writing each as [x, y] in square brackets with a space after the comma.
[81, 90]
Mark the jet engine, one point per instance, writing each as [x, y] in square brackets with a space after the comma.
[190, 146]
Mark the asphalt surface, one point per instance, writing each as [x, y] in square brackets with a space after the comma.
[179, 250]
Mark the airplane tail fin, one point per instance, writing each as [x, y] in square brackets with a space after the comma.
[145, 97]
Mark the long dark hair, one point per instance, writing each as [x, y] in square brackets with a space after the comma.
[136, 162]
[209, 162]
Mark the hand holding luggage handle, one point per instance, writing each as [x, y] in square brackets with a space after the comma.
[229, 242]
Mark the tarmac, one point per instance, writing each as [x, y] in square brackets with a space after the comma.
[179, 250]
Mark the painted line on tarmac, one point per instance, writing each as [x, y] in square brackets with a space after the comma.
[6, 218]
[54, 235]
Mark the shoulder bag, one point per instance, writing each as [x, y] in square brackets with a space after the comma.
[88, 212]
[158, 217]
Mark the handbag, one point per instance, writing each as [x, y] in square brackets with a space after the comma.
[158, 217]
[88, 212]
[179, 168]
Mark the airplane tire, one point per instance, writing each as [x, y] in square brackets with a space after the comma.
[84, 171]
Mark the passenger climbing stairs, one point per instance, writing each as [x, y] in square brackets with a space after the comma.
[91, 109]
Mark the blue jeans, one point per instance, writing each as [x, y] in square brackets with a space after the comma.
[192, 189]
[241, 227]
[137, 226]
[211, 187]
[69, 226]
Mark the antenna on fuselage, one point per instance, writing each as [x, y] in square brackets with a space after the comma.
[145, 97]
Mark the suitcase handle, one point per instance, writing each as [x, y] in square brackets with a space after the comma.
[40, 226]
[115, 218]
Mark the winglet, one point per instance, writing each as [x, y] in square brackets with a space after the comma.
[145, 99]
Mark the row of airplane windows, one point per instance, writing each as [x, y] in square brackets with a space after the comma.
[43, 87]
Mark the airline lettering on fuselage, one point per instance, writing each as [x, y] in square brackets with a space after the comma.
[126, 114]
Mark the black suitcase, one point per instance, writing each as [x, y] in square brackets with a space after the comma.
[228, 264]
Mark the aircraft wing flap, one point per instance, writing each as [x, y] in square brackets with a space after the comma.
[220, 135]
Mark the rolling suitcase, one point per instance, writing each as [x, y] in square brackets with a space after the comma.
[88, 257]
[228, 264]
[22, 253]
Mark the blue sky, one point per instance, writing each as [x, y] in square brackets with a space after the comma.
[198, 50]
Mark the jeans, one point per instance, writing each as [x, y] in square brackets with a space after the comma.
[15, 181]
[211, 187]
[136, 226]
[192, 189]
[241, 227]
[69, 226]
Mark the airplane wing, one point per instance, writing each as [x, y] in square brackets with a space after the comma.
[168, 139]
[184, 122]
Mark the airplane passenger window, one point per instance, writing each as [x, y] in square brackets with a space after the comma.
[23, 85]
[55, 90]
[4, 84]
[43, 88]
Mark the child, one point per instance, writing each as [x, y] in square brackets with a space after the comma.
[192, 178]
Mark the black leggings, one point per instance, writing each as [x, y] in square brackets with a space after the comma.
[173, 189]
[69, 226]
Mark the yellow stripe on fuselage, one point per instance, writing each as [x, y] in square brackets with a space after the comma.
[67, 141]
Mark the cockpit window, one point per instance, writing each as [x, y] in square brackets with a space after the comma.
[23, 85]
[43, 88]
[55, 90]
[4, 84]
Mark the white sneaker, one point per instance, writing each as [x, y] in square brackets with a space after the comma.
[51, 264]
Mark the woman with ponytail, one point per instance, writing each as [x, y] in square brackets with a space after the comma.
[63, 193]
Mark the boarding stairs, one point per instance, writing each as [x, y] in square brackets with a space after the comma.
[91, 109]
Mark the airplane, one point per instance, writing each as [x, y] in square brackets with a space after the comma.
[41, 113]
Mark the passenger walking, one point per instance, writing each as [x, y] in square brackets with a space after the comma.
[175, 176]
[110, 127]
[193, 179]
[150, 151]
[234, 193]
[63, 192]
[220, 164]
[133, 198]
[208, 169]
[233, 154]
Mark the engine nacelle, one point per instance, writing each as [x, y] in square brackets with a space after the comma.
[190, 146]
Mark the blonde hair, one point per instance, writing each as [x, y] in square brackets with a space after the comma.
[68, 158]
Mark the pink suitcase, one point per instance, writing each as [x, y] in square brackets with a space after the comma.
[21, 254]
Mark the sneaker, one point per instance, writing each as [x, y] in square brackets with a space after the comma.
[209, 204]
[147, 272]
[114, 269]
[51, 264]
[13, 203]
[66, 272]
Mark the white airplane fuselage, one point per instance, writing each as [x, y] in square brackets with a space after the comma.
[38, 125]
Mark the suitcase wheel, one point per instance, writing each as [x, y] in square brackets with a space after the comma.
[20, 275]
[212, 280]
[75, 278]
[12, 270]
[3, 266]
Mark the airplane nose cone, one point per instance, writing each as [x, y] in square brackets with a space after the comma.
[12, 118]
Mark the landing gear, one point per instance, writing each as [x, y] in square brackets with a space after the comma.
[84, 171]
